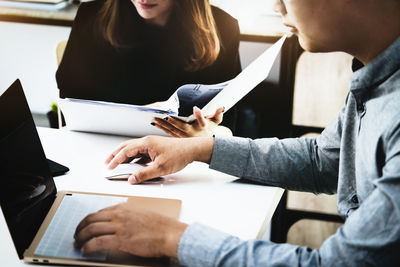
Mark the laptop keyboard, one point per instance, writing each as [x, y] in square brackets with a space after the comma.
[58, 241]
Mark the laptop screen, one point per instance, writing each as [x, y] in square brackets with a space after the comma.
[27, 189]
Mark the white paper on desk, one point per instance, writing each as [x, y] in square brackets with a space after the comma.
[111, 118]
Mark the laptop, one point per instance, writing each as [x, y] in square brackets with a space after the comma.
[41, 220]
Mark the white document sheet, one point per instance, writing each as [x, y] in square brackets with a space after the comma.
[110, 118]
[249, 78]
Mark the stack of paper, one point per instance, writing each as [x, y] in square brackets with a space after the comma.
[36, 4]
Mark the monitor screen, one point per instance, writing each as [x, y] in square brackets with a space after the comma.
[27, 189]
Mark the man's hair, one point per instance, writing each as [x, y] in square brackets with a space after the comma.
[196, 19]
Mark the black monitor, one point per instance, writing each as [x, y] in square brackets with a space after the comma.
[27, 189]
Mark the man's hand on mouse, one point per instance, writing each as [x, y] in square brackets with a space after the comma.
[167, 154]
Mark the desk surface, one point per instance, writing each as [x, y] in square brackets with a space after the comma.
[63, 17]
[208, 196]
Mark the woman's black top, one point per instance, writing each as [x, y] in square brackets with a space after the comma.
[149, 69]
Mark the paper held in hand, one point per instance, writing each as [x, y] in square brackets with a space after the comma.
[249, 78]
[133, 120]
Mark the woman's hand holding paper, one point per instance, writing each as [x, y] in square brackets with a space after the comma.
[202, 126]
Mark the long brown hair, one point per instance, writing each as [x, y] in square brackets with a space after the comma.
[198, 22]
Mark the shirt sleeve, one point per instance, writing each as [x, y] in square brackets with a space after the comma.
[204, 246]
[302, 164]
[370, 236]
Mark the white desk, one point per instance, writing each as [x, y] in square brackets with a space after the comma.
[208, 196]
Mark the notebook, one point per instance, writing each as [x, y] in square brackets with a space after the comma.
[41, 220]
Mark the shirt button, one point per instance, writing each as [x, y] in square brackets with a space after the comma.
[354, 199]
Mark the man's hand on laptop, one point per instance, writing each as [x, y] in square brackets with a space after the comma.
[167, 155]
[130, 229]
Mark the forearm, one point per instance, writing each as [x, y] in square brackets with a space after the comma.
[201, 148]
[172, 235]
[290, 163]
[204, 246]
[369, 237]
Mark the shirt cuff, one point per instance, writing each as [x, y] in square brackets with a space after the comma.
[200, 245]
[230, 155]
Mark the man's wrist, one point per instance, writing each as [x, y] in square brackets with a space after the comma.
[172, 238]
[203, 147]
[222, 130]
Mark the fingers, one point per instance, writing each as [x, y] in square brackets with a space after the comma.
[218, 116]
[100, 216]
[143, 160]
[199, 117]
[147, 173]
[93, 230]
[178, 128]
[100, 243]
[115, 152]
[123, 155]
[173, 127]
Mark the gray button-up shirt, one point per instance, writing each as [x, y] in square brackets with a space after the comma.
[357, 156]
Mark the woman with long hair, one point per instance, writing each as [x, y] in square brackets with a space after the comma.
[140, 51]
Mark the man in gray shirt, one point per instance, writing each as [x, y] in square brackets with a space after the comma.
[357, 156]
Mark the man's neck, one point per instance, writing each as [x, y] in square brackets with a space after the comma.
[376, 33]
